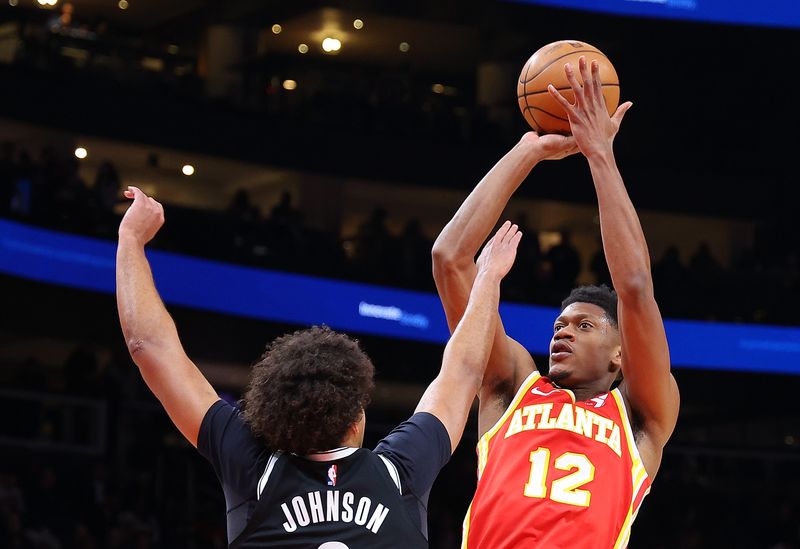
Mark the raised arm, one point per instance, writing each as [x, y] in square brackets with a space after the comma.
[450, 396]
[149, 331]
[648, 386]
[454, 253]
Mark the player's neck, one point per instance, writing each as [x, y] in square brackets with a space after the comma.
[586, 391]
[351, 441]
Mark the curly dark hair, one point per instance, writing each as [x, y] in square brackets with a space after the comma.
[602, 296]
[307, 389]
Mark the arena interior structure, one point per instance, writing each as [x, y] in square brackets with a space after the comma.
[313, 151]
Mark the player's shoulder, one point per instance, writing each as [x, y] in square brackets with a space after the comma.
[422, 428]
[224, 429]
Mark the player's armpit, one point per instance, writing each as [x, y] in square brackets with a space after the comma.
[648, 385]
[509, 365]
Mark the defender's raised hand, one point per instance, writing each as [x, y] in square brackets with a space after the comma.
[144, 217]
[592, 127]
[499, 253]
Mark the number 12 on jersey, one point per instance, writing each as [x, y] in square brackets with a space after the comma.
[566, 489]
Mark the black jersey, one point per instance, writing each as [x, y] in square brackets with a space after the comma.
[347, 498]
[386, 489]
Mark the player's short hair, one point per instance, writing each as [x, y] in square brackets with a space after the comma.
[307, 389]
[602, 296]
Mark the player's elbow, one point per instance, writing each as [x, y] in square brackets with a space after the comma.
[471, 373]
[635, 288]
[138, 348]
[447, 261]
[442, 254]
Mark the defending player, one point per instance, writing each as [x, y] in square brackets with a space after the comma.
[291, 466]
[563, 460]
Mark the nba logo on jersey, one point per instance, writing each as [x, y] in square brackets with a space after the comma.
[332, 475]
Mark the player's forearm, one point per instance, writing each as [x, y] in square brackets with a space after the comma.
[144, 319]
[623, 239]
[468, 350]
[462, 237]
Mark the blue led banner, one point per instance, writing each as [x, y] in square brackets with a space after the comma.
[779, 13]
[88, 263]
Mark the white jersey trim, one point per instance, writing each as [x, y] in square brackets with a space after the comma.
[392, 473]
[267, 472]
[330, 455]
[636, 457]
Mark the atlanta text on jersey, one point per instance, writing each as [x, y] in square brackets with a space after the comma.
[310, 510]
[570, 418]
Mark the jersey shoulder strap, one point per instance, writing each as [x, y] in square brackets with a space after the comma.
[277, 462]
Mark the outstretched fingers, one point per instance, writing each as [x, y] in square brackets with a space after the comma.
[511, 232]
[620, 112]
[566, 105]
[577, 87]
[597, 83]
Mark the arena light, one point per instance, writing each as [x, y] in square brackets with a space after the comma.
[331, 45]
[289, 85]
[276, 29]
[358, 24]
[302, 48]
[187, 169]
[81, 153]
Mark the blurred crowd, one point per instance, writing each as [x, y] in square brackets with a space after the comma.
[387, 101]
[759, 285]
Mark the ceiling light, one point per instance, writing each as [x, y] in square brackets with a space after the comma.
[123, 4]
[302, 48]
[276, 29]
[331, 44]
[437, 88]
[81, 153]
[289, 85]
[404, 47]
[172, 49]
[13, 2]
[358, 24]
[187, 169]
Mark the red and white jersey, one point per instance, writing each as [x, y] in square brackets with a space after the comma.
[556, 473]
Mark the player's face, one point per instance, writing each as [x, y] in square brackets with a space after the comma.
[584, 346]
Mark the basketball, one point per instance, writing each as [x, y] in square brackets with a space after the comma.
[546, 66]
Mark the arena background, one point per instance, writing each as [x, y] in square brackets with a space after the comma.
[340, 168]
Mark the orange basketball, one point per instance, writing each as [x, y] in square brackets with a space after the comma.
[546, 66]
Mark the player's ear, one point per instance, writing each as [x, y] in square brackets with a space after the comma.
[357, 428]
[615, 365]
[358, 425]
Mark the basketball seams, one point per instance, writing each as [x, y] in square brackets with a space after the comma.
[527, 108]
[532, 108]
[528, 79]
[564, 88]
[537, 107]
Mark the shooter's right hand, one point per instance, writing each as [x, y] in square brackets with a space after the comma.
[551, 146]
